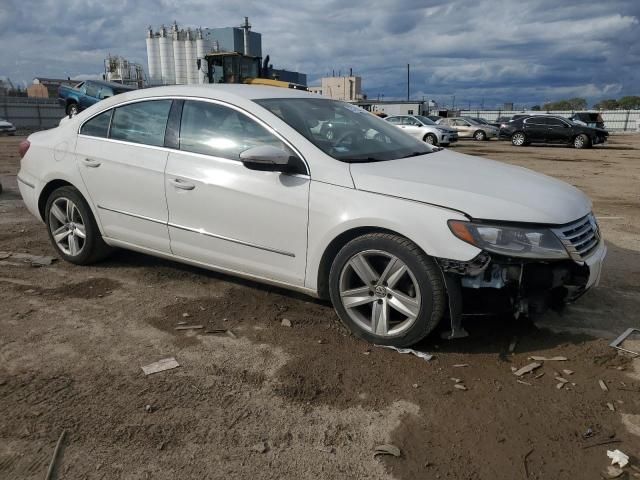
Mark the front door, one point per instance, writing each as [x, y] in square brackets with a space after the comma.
[123, 170]
[413, 127]
[557, 130]
[223, 214]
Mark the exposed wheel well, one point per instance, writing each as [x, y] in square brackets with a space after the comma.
[46, 191]
[332, 250]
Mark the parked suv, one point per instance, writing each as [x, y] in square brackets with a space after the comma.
[552, 129]
[83, 95]
[424, 129]
[468, 128]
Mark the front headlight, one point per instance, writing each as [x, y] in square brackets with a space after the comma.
[510, 241]
[443, 130]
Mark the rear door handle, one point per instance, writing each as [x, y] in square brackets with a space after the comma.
[181, 184]
[91, 163]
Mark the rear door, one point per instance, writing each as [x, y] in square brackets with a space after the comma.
[223, 214]
[464, 128]
[121, 157]
[535, 129]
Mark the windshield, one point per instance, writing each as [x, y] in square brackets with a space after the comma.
[425, 120]
[343, 131]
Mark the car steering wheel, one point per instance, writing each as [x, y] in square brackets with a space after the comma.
[349, 133]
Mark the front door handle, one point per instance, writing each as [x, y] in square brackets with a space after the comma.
[91, 163]
[181, 184]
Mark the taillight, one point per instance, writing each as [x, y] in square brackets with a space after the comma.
[23, 148]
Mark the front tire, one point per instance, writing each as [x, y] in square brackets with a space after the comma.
[518, 139]
[386, 290]
[72, 229]
[581, 141]
[430, 139]
[480, 135]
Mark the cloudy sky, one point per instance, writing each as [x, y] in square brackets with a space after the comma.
[481, 51]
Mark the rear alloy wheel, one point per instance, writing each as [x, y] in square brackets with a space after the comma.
[72, 228]
[581, 141]
[72, 109]
[386, 290]
[518, 139]
[431, 139]
[480, 135]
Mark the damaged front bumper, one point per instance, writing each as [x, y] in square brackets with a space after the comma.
[494, 284]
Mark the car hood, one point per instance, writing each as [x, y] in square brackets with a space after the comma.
[480, 188]
[4, 123]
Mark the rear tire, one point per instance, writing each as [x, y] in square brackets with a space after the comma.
[518, 139]
[581, 141]
[72, 109]
[386, 290]
[430, 139]
[73, 231]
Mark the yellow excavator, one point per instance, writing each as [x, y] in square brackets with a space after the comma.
[233, 67]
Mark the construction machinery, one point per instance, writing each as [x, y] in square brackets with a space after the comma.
[234, 67]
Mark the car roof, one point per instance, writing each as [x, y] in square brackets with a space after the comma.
[102, 83]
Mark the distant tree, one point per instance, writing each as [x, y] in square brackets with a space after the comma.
[570, 104]
[536, 108]
[609, 104]
[630, 102]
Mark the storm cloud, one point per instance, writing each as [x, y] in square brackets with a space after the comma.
[481, 51]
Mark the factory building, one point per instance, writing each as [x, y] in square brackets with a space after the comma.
[348, 89]
[173, 53]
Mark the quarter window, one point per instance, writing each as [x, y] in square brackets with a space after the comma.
[98, 126]
[220, 131]
[142, 122]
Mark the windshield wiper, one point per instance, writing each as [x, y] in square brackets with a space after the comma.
[415, 154]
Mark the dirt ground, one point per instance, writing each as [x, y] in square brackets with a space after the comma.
[308, 401]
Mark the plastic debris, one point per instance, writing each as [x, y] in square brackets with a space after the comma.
[527, 368]
[285, 322]
[460, 386]
[618, 341]
[603, 386]
[386, 449]
[189, 327]
[618, 457]
[523, 382]
[260, 447]
[460, 365]
[548, 359]
[425, 356]
[612, 472]
[160, 366]
[611, 407]
[567, 372]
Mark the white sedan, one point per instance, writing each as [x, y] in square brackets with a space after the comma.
[237, 178]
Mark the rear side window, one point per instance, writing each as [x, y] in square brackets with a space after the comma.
[220, 131]
[395, 120]
[555, 122]
[98, 126]
[142, 122]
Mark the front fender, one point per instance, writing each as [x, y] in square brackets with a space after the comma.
[335, 210]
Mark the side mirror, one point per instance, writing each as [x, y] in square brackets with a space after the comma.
[265, 157]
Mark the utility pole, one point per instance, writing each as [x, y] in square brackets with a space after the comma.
[408, 82]
[453, 103]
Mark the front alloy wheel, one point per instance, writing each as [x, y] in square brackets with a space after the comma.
[480, 135]
[385, 304]
[386, 290]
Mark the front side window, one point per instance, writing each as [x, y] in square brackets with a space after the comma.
[395, 120]
[425, 120]
[343, 131]
[220, 131]
[98, 126]
[92, 90]
[141, 122]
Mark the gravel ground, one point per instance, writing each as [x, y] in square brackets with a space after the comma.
[307, 401]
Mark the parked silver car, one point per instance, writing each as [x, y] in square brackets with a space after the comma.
[424, 129]
[469, 128]
[7, 127]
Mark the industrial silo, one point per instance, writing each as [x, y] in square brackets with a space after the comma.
[153, 58]
[191, 58]
[167, 63]
[179, 57]
[202, 48]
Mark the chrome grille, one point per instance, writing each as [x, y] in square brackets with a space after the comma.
[580, 238]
